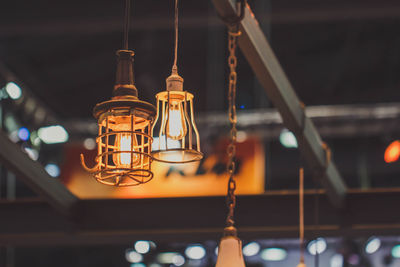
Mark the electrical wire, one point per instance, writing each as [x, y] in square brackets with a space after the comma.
[126, 23]
[175, 67]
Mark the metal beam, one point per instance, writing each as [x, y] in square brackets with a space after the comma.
[283, 13]
[35, 176]
[121, 221]
[269, 72]
[331, 121]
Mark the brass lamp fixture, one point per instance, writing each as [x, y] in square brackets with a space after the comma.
[178, 137]
[230, 248]
[124, 137]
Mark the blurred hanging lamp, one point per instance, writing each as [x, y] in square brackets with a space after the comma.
[124, 137]
[230, 248]
[178, 137]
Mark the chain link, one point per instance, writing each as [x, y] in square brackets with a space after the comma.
[231, 150]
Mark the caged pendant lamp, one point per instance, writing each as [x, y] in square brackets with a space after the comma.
[230, 248]
[178, 137]
[124, 137]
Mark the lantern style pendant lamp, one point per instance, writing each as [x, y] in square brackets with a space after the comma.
[124, 138]
[230, 250]
[178, 137]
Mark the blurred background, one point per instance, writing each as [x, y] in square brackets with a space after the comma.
[57, 60]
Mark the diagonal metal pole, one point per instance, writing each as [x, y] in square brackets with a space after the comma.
[270, 74]
[35, 176]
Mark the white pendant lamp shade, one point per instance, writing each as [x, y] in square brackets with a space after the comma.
[230, 252]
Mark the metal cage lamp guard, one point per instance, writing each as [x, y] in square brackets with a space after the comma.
[124, 139]
[178, 137]
[179, 140]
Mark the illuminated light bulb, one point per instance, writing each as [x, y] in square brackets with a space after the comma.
[178, 260]
[142, 247]
[396, 251]
[288, 139]
[89, 144]
[392, 152]
[53, 134]
[230, 253]
[132, 256]
[13, 90]
[372, 245]
[23, 134]
[274, 254]
[176, 127]
[251, 249]
[318, 245]
[52, 169]
[167, 257]
[123, 143]
[195, 252]
[337, 260]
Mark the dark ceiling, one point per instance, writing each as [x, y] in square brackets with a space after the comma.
[334, 52]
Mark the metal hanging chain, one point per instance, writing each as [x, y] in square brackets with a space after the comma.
[126, 23]
[231, 150]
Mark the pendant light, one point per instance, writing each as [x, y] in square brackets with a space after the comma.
[230, 248]
[124, 136]
[178, 137]
[301, 217]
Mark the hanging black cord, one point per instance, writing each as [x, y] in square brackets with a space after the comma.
[126, 23]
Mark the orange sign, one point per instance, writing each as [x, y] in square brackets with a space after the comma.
[205, 178]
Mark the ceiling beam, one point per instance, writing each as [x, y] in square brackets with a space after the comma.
[196, 219]
[35, 176]
[331, 121]
[270, 74]
[281, 13]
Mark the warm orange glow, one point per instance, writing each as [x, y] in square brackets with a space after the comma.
[123, 149]
[200, 178]
[392, 152]
[178, 140]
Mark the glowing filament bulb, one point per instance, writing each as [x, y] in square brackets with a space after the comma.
[176, 127]
[123, 143]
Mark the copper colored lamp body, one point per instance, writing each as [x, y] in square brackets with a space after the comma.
[230, 250]
[124, 138]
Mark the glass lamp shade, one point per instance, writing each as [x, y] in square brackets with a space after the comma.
[301, 265]
[179, 140]
[230, 252]
[123, 143]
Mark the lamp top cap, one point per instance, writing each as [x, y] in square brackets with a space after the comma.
[125, 53]
[230, 231]
[174, 81]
